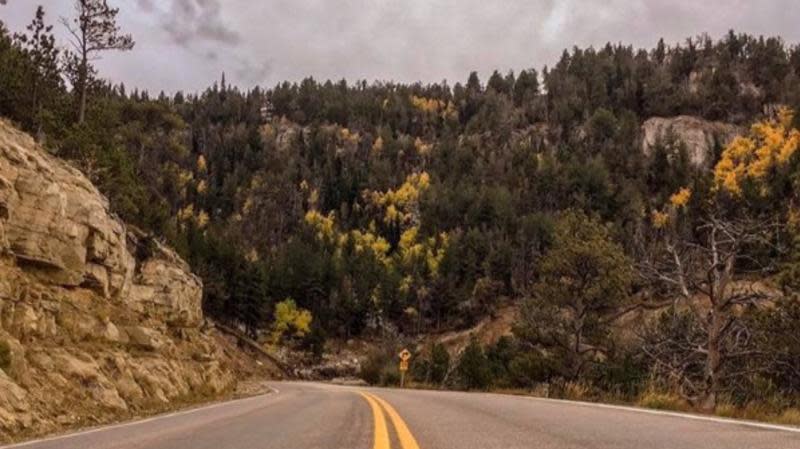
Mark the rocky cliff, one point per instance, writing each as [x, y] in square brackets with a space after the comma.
[701, 137]
[96, 321]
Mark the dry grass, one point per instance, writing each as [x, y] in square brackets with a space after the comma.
[662, 401]
[577, 391]
[790, 417]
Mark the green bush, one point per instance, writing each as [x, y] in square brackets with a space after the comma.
[431, 369]
[439, 364]
[474, 371]
[527, 369]
[380, 368]
[372, 367]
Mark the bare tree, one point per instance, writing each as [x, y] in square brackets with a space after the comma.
[93, 30]
[705, 270]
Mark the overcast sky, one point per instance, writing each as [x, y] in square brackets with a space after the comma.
[187, 44]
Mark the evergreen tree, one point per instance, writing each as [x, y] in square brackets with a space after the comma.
[94, 29]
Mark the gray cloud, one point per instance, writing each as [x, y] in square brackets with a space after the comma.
[190, 21]
[187, 44]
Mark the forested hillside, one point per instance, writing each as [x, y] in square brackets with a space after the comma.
[388, 209]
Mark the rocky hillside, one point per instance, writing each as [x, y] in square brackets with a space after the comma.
[97, 321]
[701, 137]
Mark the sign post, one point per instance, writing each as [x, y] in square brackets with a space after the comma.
[405, 356]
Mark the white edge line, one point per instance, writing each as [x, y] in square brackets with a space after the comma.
[669, 413]
[135, 422]
[713, 419]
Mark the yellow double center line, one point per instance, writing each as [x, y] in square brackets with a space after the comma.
[407, 440]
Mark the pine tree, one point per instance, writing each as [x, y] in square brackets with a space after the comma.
[93, 30]
[43, 53]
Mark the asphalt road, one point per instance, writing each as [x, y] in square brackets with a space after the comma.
[311, 416]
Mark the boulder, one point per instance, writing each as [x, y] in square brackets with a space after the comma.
[165, 286]
[145, 338]
[701, 137]
[109, 332]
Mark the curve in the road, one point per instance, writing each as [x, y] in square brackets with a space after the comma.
[321, 416]
[381, 439]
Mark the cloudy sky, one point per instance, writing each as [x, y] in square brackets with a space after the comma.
[187, 44]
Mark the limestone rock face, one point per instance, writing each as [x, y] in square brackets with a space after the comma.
[165, 286]
[701, 137]
[59, 227]
[55, 222]
[98, 320]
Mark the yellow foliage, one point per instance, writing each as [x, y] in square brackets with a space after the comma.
[409, 248]
[431, 106]
[435, 252]
[323, 224]
[184, 177]
[401, 204]
[248, 205]
[445, 110]
[769, 145]
[367, 240]
[660, 219]
[202, 186]
[422, 147]
[361, 240]
[187, 213]
[430, 252]
[202, 219]
[681, 198]
[348, 136]
[202, 166]
[289, 317]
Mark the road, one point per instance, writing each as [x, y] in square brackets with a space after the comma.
[311, 416]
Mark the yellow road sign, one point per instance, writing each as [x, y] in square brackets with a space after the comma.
[405, 355]
[404, 365]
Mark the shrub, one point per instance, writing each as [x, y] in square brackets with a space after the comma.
[439, 364]
[474, 371]
[372, 367]
[380, 368]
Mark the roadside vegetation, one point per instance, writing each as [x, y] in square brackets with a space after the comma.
[335, 210]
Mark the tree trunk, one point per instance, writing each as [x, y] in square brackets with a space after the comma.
[83, 80]
[713, 362]
[82, 104]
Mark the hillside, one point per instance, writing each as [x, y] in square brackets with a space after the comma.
[97, 321]
[323, 215]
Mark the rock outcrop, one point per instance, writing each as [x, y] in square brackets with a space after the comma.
[97, 321]
[701, 137]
